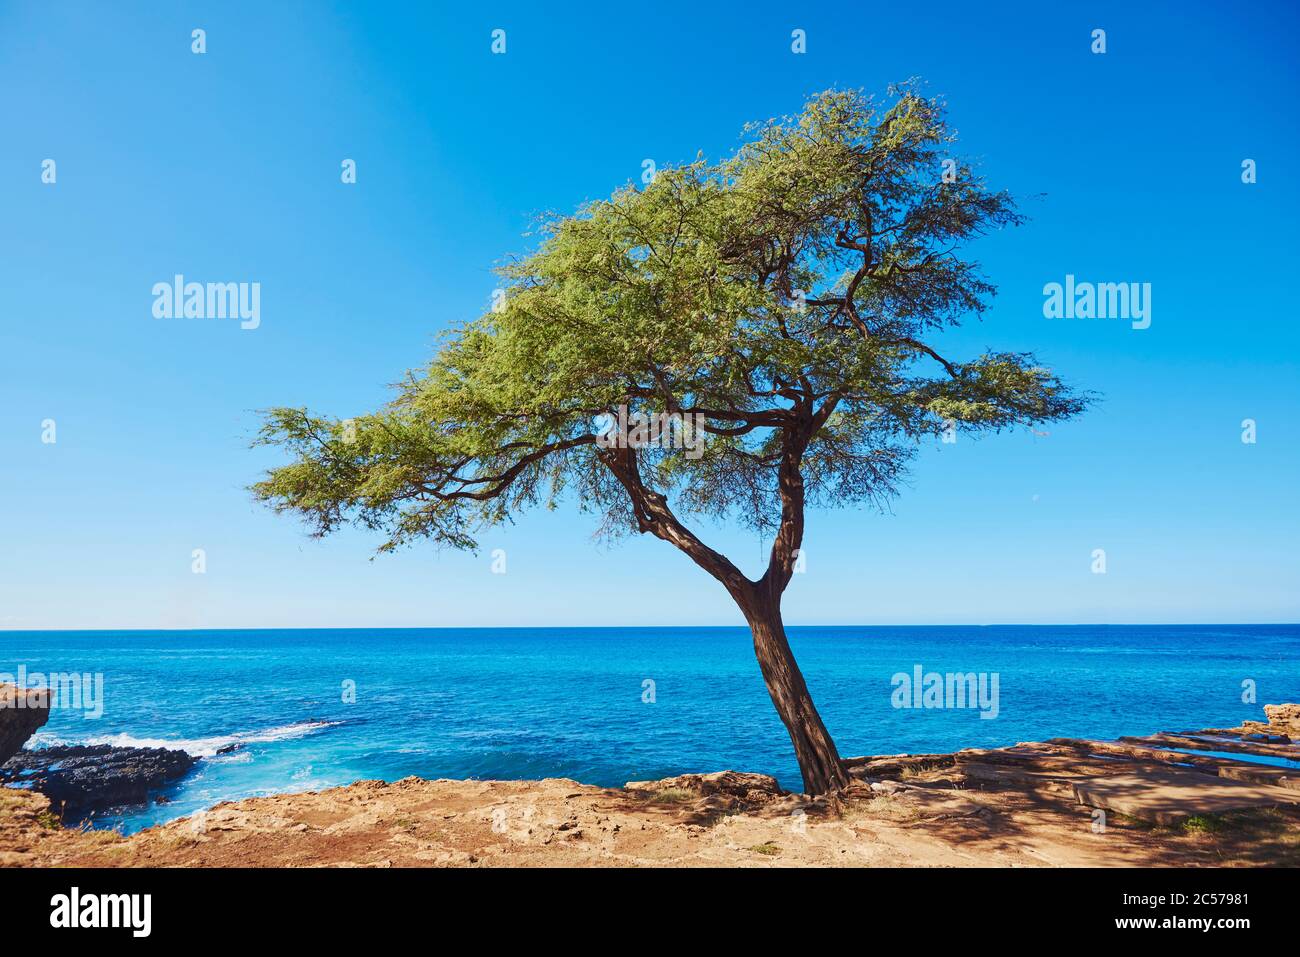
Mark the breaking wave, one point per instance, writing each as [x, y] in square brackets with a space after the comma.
[197, 747]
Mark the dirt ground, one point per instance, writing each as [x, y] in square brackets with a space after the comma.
[934, 817]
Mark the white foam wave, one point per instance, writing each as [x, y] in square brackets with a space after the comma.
[198, 747]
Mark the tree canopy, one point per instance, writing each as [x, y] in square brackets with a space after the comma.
[781, 296]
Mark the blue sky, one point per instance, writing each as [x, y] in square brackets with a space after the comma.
[225, 167]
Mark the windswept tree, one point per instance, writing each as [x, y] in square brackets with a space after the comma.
[777, 302]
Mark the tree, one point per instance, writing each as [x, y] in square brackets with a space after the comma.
[777, 302]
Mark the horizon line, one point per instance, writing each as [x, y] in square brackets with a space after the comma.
[741, 627]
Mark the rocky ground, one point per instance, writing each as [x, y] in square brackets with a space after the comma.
[1171, 799]
[929, 818]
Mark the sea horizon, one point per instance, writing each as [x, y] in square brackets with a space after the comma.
[740, 627]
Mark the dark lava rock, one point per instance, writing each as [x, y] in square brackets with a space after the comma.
[93, 777]
[22, 711]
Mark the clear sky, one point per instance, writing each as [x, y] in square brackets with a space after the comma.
[225, 166]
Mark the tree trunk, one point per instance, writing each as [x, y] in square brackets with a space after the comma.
[819, 761]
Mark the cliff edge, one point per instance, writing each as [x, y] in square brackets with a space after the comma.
[22, 711]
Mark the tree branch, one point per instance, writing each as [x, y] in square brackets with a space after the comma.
[654, 516]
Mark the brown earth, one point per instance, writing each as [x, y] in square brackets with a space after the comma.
[930, 818]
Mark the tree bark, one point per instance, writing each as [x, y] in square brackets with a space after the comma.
[819, 761]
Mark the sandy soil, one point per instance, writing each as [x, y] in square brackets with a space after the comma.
[927, 818]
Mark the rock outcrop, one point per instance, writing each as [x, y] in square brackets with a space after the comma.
[85, 778]
[1284, 718]
[730, 790]
[1282, 724]
[22, 711]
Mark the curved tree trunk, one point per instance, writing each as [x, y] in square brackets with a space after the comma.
[760, 601]
[819, 761]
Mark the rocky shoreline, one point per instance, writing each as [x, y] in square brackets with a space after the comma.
[1209, 797]
[1205, 797]
[79, 780]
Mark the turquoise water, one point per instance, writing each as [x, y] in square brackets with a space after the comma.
[532, 703]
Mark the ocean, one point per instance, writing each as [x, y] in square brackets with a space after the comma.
[311, 709]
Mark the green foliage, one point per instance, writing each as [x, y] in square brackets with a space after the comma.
[672, 796]
[1205, 824]
[685, 296]
[49, 820]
